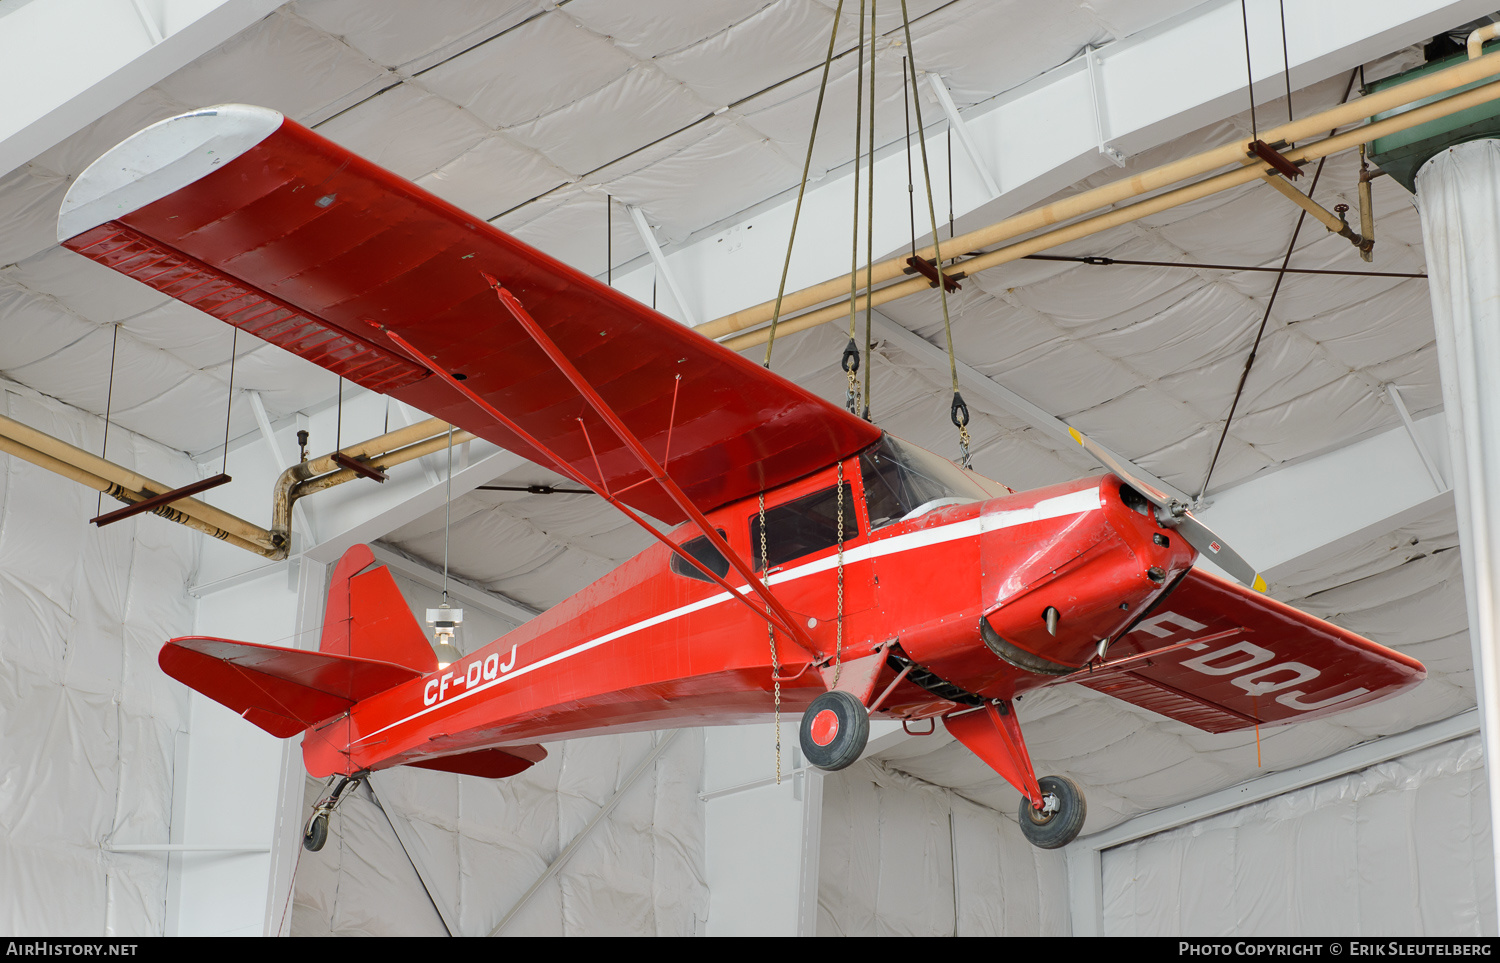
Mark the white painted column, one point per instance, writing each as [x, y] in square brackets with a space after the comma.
[1459, 195]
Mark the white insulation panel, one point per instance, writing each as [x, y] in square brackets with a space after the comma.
[88, 723]
[441, 854]
[1398, 849]
[904, 857]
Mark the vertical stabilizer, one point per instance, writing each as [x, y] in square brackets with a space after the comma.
[367, 617]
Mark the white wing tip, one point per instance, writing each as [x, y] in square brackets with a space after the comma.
[160, 160]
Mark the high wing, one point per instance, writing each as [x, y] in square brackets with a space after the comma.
[1221, 657]
[264, 224]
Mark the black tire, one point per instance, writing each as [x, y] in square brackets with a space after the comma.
[834, 730]
[316, 833]
[1056, 829]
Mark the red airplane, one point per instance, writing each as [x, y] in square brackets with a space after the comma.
[820, 565]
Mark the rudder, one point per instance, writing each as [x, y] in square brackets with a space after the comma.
[367, 617]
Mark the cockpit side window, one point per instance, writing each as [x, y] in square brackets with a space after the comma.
[803, 526]
[901, 478]
[700, 549]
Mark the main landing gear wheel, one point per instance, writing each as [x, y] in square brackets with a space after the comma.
[1060, 819]
[835, 729]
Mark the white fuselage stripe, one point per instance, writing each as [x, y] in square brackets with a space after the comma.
[1071, 504]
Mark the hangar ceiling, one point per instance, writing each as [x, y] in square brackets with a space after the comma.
[697, 110]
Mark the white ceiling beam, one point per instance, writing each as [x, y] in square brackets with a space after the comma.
[1324, 505]
[957, 125]
[977, 384]
[373, 514]
[648, 237]
[502, 607]
[66, 63]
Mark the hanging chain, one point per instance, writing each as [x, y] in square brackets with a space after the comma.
[838, 649]
[765, 577]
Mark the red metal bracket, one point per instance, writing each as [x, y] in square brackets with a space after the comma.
[359, 467]
[165, 498]
[1274, 157]
[929, 271]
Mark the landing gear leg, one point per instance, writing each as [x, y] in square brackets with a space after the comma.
[1052, 809]
[315, 833]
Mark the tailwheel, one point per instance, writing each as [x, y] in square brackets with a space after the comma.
[835, 729]
[1060, 819]
[315, 833]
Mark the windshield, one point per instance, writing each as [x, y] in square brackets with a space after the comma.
[900, 478]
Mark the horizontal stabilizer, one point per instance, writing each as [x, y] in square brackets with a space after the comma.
[489, 763]
[1220, 657]
[283, 691]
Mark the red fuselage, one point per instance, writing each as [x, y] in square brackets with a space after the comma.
[650, 647]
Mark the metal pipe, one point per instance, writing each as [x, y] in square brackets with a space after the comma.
[318, 474]
[1237, 153]
[1151, 205]
[124, 485]
[131, 482]
[120, 493]
[378, 445]
[1478, 38]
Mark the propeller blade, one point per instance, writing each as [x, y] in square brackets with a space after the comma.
[1153, 494]
[1174, 514]
[1209, 545]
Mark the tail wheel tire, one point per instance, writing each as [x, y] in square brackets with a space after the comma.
[1060, 820]
[835, 729]
[316, 833]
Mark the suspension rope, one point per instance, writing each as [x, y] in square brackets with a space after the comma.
[850, 360]
[802, 188]
[959, 412]
[1249, 74]
[869, 234]
[1266, 317]
[911, 189]
[447, 513]
[109, 403]
[234, 343]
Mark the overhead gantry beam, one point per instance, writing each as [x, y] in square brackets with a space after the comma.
[66, 63]
[1318, 507]
[979, 385]
[1045, 135]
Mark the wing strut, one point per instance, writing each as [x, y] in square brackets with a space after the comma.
[777, 614]
[673, 490]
